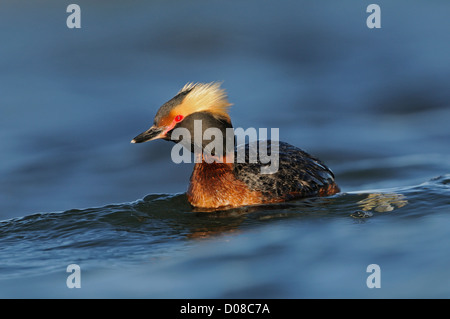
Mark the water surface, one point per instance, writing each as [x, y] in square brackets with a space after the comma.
[374, 105]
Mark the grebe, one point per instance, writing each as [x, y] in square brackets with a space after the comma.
[227, 182]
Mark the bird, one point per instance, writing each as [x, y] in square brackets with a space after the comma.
[222, 180]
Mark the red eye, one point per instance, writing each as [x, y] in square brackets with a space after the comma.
[178, 118]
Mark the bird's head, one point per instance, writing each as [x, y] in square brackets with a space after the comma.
[206, 102]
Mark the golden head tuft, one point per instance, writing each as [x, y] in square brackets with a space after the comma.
[208, 97]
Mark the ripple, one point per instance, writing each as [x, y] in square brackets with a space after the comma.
[165, 226]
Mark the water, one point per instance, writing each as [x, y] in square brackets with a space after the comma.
[372, 104]
[158, 247]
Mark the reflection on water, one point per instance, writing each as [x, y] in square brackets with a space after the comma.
[379, 202]
[383, 202]
[157, 241]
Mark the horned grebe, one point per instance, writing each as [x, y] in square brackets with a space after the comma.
[229, 182]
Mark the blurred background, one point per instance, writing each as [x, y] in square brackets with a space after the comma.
[366, 101]
[373, 104]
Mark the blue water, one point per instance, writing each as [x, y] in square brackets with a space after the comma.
[372, 104]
